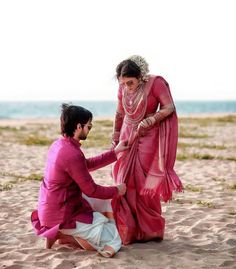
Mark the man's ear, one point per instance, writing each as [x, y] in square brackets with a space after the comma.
[79, 126]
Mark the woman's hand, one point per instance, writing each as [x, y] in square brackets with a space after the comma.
[121, 189]
[145, 124]
[122, 146]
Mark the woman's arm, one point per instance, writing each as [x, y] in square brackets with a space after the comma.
[119, 117]
[162, 93]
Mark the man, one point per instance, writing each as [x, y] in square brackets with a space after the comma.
[62, 211]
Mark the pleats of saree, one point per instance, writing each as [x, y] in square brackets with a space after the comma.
[138, 217]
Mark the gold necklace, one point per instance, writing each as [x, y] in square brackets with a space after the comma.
[131, 99]
[132, 103]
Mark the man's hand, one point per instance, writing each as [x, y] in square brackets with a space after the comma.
[115, 139]
[114, 143]
[121, 189]
[122, 145]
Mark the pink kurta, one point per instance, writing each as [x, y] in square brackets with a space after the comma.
[147, 168]
[67, 175]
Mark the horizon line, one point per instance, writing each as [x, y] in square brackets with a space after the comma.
[115, 100]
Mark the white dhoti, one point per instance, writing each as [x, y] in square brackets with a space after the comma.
[99, 234]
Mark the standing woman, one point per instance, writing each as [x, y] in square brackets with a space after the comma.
[146, 117]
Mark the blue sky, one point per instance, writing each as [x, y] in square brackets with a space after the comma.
[67, 50]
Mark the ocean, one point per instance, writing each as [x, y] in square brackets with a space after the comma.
[51, 109]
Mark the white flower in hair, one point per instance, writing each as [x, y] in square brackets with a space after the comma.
[142, 64]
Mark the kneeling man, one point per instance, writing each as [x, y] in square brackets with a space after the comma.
[62, 212]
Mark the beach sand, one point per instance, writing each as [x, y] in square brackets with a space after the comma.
[200, 222]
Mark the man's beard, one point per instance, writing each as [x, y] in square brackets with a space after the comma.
[82, 136]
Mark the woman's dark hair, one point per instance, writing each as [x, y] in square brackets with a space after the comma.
[128, 68]
[72, 115]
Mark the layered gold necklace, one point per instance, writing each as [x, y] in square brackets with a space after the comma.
[133, 101]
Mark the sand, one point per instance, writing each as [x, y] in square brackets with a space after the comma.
[200, 223]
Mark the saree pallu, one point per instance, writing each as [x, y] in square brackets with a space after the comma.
[147, 170]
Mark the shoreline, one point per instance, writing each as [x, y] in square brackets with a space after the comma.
[48, 120]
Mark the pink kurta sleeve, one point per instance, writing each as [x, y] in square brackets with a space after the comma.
[101, 160]
[78, 171]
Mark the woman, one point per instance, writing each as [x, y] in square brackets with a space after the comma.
[146, 117]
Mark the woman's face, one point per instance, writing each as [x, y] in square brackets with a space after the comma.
[130, 84]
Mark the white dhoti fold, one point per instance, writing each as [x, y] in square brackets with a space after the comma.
[102, 206]
[102, 232]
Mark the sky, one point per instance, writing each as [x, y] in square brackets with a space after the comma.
[68, 50]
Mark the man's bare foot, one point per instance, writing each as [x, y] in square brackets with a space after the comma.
[107, 252]
[50, 242]
[69, 240]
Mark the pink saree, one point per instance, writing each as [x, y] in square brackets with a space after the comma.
[148, 167]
